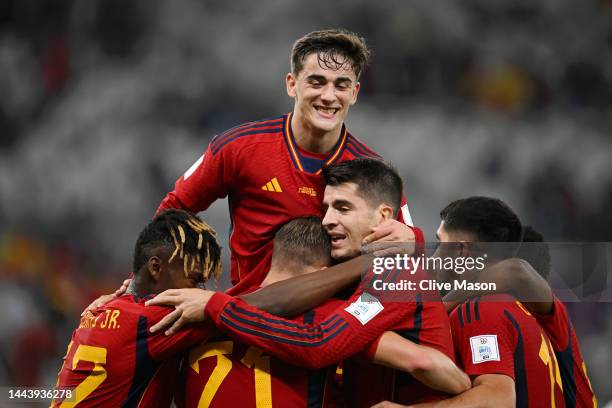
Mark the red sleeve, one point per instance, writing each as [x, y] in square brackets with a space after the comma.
[344, 332]
[208, 179]
[161, 346]
[556, 325]
[486, 345]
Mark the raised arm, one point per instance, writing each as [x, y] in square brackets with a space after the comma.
[515, 276]
[301, 293]
[342, 333]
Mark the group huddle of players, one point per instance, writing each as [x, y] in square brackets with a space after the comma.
[311, 206]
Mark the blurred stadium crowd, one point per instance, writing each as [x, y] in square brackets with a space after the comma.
[106, 102]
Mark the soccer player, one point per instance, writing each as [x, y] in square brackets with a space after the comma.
[525, 277]
[359, 195]
[500, 344]
[112, 357]
[225, 372]
[271, 169]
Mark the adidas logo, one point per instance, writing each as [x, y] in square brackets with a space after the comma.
[273, 186]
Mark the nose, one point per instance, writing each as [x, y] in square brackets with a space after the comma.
[329, 93]
[329, 220]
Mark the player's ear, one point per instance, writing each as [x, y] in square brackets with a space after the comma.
[291, 82]
[154, 267]
[386, 212]
[355, 92]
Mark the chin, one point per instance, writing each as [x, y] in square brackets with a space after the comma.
[341, 255]
[325, 125]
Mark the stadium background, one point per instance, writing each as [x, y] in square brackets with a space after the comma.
[104, 103]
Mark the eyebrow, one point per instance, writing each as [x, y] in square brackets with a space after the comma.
[338, 203]
[315, 77]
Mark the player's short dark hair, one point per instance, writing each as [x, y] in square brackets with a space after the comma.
[330, 45]
[377, 182]
[303, 241]
[489, 219]
[535, 251]
[191, 239]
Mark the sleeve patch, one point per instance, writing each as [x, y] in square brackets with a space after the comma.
[484, 348]
[365, 308]
[193, 167]
[406, 215]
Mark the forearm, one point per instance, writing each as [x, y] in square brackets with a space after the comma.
[531, 288]
[426, 364]
[442, 374]
[297, 295]
[482, 395]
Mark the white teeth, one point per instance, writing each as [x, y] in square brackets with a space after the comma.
[327, 110]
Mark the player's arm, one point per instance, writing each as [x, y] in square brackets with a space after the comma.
[340, 335]
[301, 293]
[488, 391]
[515, 276]
[426, 364]
[208, 179]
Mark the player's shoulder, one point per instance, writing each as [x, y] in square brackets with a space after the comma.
[486, 310]
[358, 149]
[247, 133]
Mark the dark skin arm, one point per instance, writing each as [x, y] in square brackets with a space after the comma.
[515, 276]
[299, 294]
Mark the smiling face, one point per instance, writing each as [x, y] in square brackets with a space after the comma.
[348, 219]
[322, 94]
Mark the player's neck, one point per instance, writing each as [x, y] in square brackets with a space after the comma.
[311, 139]
[286, 271]
[275, 276]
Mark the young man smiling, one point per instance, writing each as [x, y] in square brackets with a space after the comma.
[271, 169]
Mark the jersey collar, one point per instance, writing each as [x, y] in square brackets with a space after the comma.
[297, 157]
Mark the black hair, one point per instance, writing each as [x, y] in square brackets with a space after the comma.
[302, 240]
[376, 180]
[535, 251]
[192, 240]
[329, 45]
[489, 219]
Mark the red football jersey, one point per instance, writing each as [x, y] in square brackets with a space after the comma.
[577, 389]
[269, 181]
[229, 373]
[495, 334]
[344, 332]
[113, 360]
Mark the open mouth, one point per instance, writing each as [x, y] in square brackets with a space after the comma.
[326, 111]
[337, 240]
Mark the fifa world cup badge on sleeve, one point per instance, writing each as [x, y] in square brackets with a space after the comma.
[484, 348]
[365, 308]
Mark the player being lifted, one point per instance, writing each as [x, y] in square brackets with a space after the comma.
[226, 372]
[359, 195]
[271, 169]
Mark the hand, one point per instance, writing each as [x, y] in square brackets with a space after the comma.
[391, 230]
[104, 299]
[388, 248]
[189, 307]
